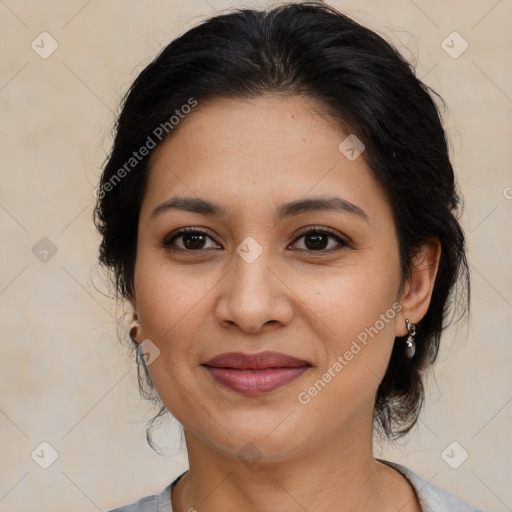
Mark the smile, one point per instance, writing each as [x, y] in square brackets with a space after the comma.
[255, 374]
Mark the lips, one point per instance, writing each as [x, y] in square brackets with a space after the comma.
[255, 374]
[258, 361]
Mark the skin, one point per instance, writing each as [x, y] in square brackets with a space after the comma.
[251, 156]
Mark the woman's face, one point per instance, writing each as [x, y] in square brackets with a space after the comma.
[259, 278]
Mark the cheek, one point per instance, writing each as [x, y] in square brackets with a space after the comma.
[173, 307]
[351, 296]
[169, 307]
[353, 313]
[168, 298]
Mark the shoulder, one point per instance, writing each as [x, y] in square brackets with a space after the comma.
[146, 504]
[154, 503]
[431, 497]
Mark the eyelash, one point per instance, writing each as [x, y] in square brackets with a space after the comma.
[169, 239]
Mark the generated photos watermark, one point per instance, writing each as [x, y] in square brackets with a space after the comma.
[158, 133]
[304, 397]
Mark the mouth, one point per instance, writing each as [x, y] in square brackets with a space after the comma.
[255, 374]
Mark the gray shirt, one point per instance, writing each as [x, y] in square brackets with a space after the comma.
[431, 497]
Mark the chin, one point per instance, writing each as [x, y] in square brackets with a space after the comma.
[265, 439]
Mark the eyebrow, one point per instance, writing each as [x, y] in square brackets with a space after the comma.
[204, 207]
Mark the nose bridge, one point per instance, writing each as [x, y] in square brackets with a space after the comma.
[253, 296]
[251, 277]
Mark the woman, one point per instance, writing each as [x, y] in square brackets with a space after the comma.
[280, 210]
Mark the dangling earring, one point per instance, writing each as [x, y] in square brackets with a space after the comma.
[411, 344]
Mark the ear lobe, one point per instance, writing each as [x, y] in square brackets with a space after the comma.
[134, 331]
[417, 291]
[135, 327]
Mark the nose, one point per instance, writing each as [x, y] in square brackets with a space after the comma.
[254, 297]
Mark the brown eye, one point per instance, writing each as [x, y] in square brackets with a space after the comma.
[316, 240]
[191, 240]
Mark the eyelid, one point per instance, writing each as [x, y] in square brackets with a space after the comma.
[323, 229]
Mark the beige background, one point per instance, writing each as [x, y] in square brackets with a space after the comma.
[65, 378]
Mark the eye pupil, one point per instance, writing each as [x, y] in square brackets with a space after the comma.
[317, 241]
[195, 239]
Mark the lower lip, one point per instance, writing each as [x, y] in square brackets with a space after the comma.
[255, 382]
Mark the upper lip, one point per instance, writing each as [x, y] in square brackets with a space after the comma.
[258, 361]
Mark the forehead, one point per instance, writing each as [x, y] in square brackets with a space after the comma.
[236, 151]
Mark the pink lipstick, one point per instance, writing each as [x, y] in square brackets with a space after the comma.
[255, 374]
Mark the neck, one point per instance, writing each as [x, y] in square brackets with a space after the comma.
[337, 475]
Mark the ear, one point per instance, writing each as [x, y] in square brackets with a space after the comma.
[135, 327]
[417, 292]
